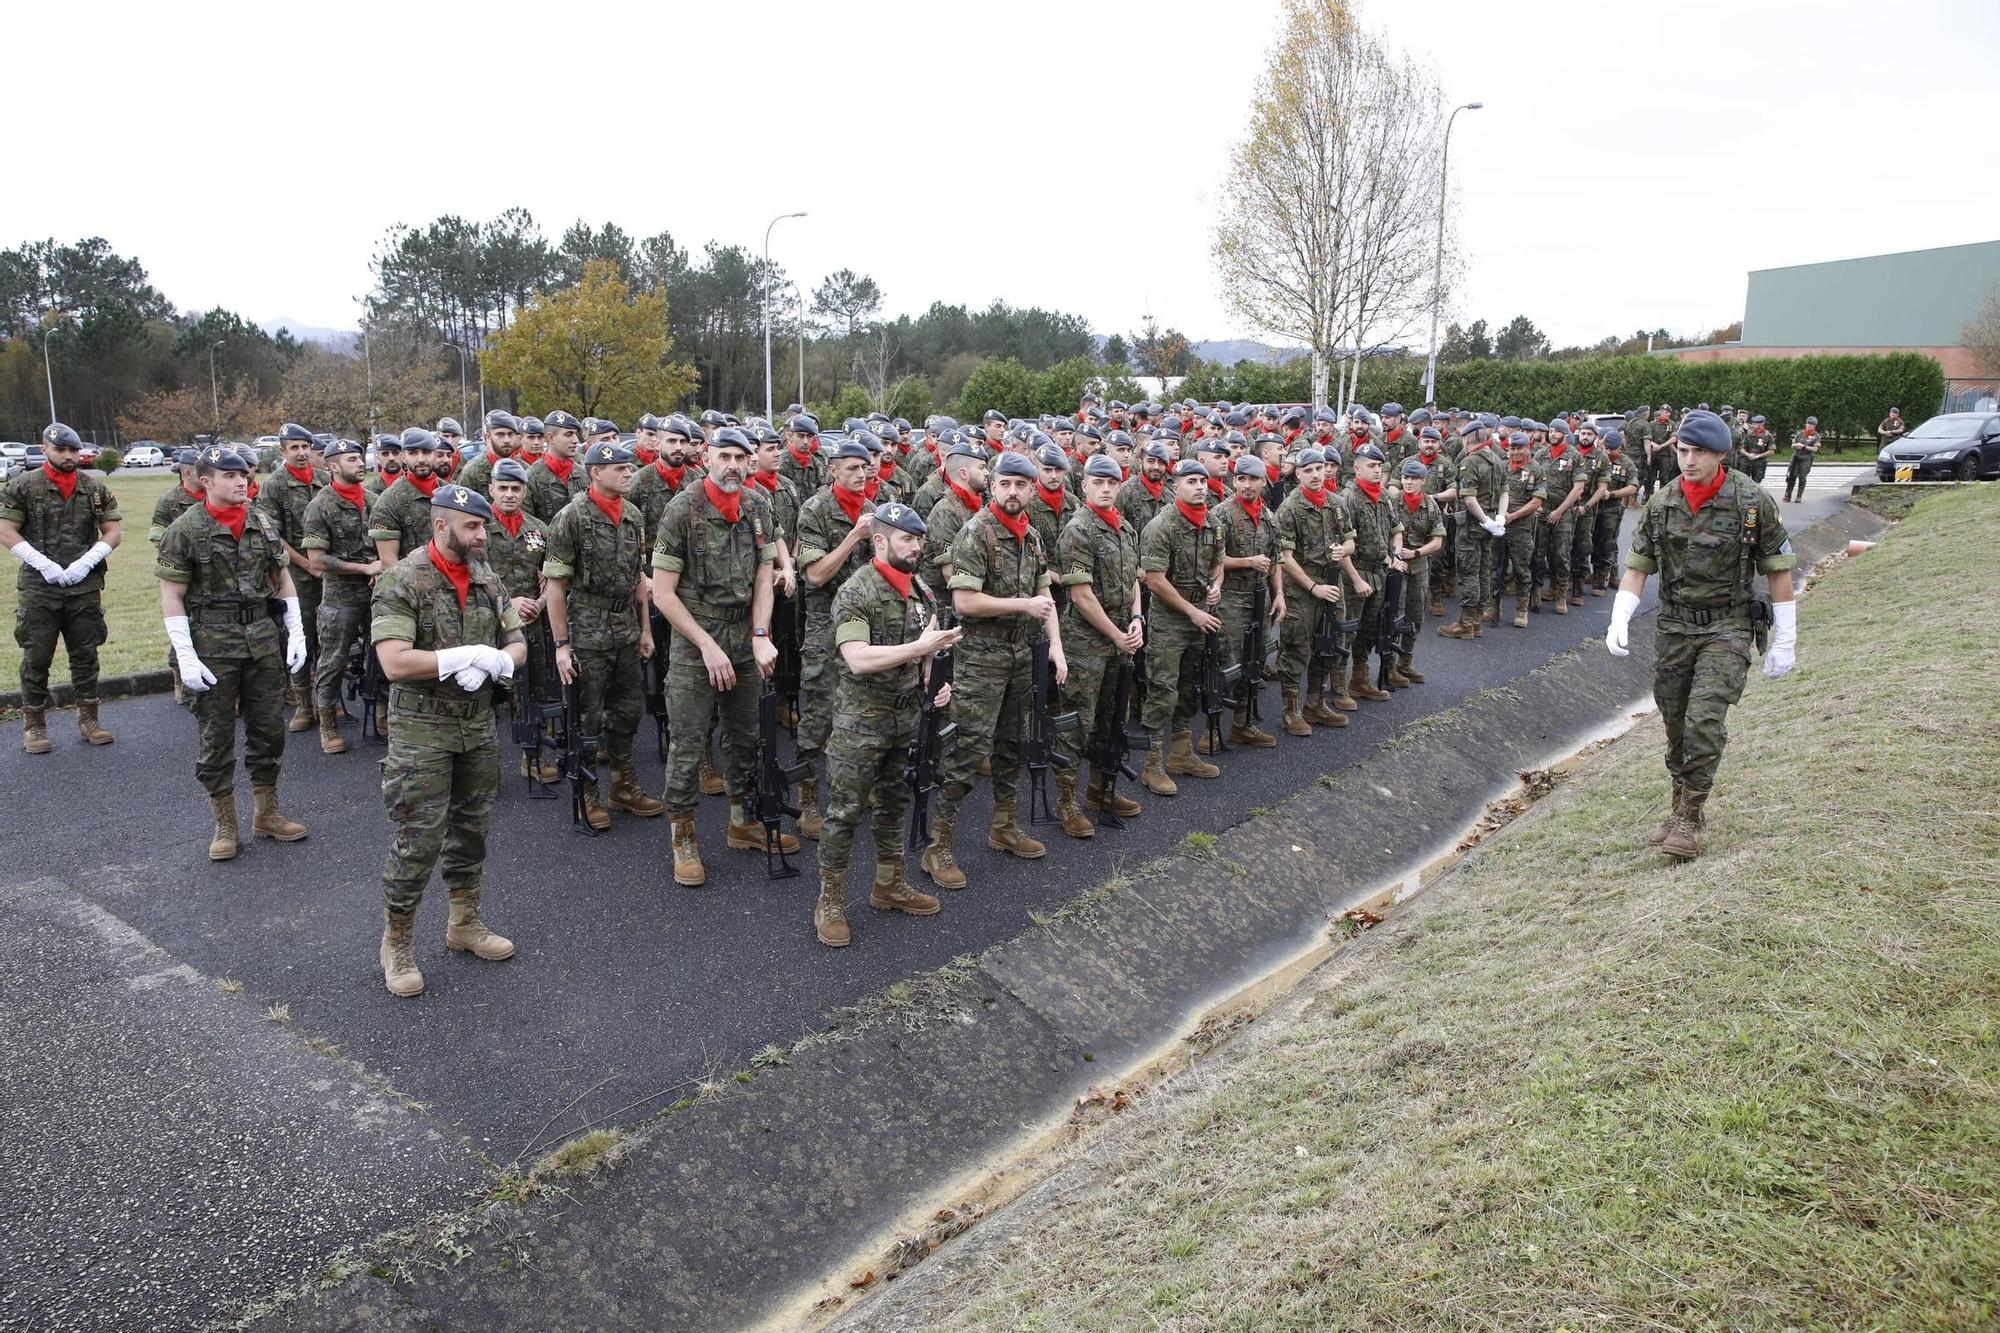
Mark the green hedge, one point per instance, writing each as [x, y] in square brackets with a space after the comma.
[1006, 384]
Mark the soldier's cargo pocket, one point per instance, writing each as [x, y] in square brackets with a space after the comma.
[22, 634]
[1725, 665]
[87, 624]
[401, 792]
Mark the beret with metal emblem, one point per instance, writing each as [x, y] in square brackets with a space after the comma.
[292, 430]
[1510, 422]
[1090, 432]
[1188, 467]
[416, 437]
[900, 517]
[1213, 445]
[959, 448]
[1117, 406]
[1518, 440]
[730, 437]
[1161, 451]
[1250, 466]
[599, 426]
[1414, 468]
[647, 421]
[868, 440]
[1235, 437]
[561, 420]
[606, 453]
[712, 418]
[1392, 409]
[449, 426]
[1051, 455]
[1118, 437]
[766, 435]
[1103, 465]
[1614, 438]
[1039, 440]
[187, 458]
[1369, 451]
[1294, 416]
[888, 432]
[1812, 421]
[497, 419]
[1172, 425]
[804, 423]
[389, 442]
[533, 426]
[1310, 458]
[339, 447]
[1705, 430]
[1326, 415]
[852, 448]
[510, 469]
[1016, 465]
[994, 414]
[215, 458]
[464, 499]
[55, 433]
[1757, 420]
[1420, 416]
[1236, 420]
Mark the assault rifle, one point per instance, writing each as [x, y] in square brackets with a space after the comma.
[579, 758]
[653, 679]
[1387, 641]
[1212, 688]
[364, 682]
[1141, 677]
[1039, 751]
[773, 798]
[934, 739]
[1117, 738]
[537, 700]
[1256, 651]
[788, 637]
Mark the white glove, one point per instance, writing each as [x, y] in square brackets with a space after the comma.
[1617, 636]
[496, 664]
[295, 636]
[464, 665]
[194, 676]
[79, 568]
[51, 572]
[1783, 656]
[1495, 527]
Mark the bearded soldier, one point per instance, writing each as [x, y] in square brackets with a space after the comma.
[1180, 560]
[388, 464]
[401, 519]
[178, 500]
[802, 464]
[667, 476]
[336, 541]
[503, 440]
[833, 543]
[1144, 494]
[1052, 505]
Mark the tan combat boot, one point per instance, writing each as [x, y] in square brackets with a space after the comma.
[1295, 724]
[1659, 835]
[540, 769]
[830, 912]
[1562, 600]
[810, 818]
[1465, 627]
[1183, 762]
[1007, 835]
[627, 795]
[300, 698]
[267, 822]
[1075, 823]
[1437, 603]
[1396, 676]
[1122, 805]
[35, 731]
[222, 845]
[1361, 687]
[464, 930]
[747, 834]
[1521, 611]
[399, 954]
[1243, 732]
[937, 861]
[1597, 582]
[330, 739]
[892, 893]
[1336, 692]
[707, 780]
[688, 869]
[86, 723]
[1683, 840]
[1317, 713]
[594, 813]
[1411, 676]
[1154, 776]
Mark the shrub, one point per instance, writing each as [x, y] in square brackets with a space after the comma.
[108, 460]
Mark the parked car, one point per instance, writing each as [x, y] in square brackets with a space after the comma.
[145, 454]
[1601, 421]
[1961, 445]
[34, 458]
[14, 450]
[87, 455]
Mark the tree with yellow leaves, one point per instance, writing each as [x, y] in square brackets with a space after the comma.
[594, 349]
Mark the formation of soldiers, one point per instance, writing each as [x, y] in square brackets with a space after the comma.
[926, 606]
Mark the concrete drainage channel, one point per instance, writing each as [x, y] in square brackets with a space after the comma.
[859, 1151]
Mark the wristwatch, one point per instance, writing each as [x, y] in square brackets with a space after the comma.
[562, 643]
[760, 634]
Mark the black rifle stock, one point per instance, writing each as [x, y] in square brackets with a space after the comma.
[788, 637]
[1039, 752]
[773, 798]
[536, 699]
[1256, 652]
[579, 759]
[1117, 738]
[1212, 688]
[1390, 636]
[364, 681]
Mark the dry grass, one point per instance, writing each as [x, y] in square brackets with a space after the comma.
[1573, 1086]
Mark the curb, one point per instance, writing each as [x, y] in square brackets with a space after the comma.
[108, 687]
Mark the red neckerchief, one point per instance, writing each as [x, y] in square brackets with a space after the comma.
[1052, 498]
[459, 576]
[1153, 488]
[65, 484]
[1216, 488]
[894, 577]
[1808, 432]
[1254, 508]
[254, 488]
[613, 506]
[1661, 419]
[1110, 516]
[850, 502]
[354, 495]
[1358, 437]
[1393, 435]
[673, 476]
[1371, 489]
[1291, 435]
[645, 453]
[424, 485]
[562, 467]
[303, 478]
[804, 460]
[230, 517]
[1758, 431]
[1323, 440]
[971, 502]
[872, 488]
[1195, 514]
[1315, 498]
[1697, 496]
[1412, 499]
[727, 505]
[192, 495]
[492, 459]
[1016, 524]
[512, 522]
[1512, 466]
[888, 468]
[768, 480]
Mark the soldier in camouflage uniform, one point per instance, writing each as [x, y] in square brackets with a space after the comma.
[1805, 448]
[1619, 483]
[534, 441]
[503, 440]
[1707, 537]
[219, 565]
[1310, 543]
[1000, 581]
[833, 543]
[1590, 463]
[780, 497]
[61, 525]
[1482, 481]
[1374, 526]
[1053, 504]
[388, 463]
[400, 521]
[1251, 550]
[336, 542]
[886, 635]
[516, 544]
[802, 464]
[178, 500]
[447, 636]
[1758, 446]
[1660, 465]
[291, 491]
[1145, 493]
[1527, 496]
[1097, 562]
[892, 478]
[1567, 478]
[1423, 537]
[668, 475]
[555, 479]
[1180, 561]
[1441, 485]
[962, 483]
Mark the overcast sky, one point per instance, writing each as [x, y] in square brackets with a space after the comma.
[1632, 163]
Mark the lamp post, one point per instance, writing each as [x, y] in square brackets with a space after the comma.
[368, 368]
[800, 297]
[767, 308]
[214, 395]
[1437, 274]
[461, 380]
[48, 366]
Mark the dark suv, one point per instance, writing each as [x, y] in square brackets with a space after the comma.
[1960, 445]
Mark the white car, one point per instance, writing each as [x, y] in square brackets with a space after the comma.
[270, 442]
[146, 455]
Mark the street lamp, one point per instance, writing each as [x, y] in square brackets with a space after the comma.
[214, 396]
[368, 368]
[767, 308]
[48, 366]
[461, 380]
[799, 297]
[1437, 276]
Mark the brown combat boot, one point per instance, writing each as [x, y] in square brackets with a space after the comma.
[707, 780]
[810, 818]
[330, 739]
[1598, 581]
[594, 813]
[1183, 762]
[1521, 611]
[688, 869]
[1396, 676]
[267, 822]
[1659, 835]
[1411, 676]
[1007, 835]
[892, 893]
[1361, 687]
[1075, 823]
[1317, 713]
[1683, 840]
[464, 930]
[748, 835]
[86, 723]
[222, 844]
[937, 862]
[1437, 603]
[1336, 693]
[300, 698]
[540, 769]
[1122, 805]
[1465, 627]
[1241, 732]
[627, 795]
[35, 731]
[399, 954]
[1562, 601]
[1154, 776]
[830, 912]
[1295, 724]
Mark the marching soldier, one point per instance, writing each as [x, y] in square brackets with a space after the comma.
[596, 585]
[1097, 559]
[1180, 561]
[218, 566]
[1000, 581]
[345, 560]
[1707, 537]
[61, 525]
[178, 500]
[1310, 523]
[446, 635]
[1251, 551]
[1556, 533]
[1376, 530]
[516, 544]
[286, 499]
[1423, 537]
[1482, 477]
[388, 465]
[833, 543]
[503, 440]
[400, 522]
[555, 479]
[1805, 448]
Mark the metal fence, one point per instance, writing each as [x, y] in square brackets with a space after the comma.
[1971, 396]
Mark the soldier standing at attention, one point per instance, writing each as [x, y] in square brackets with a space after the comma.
[1441, 485]
[1805, 448]
[516, 544]
[388, 464]
[1250, 558]
[1660, 465]
[178, 500]
[962, 481]
[555, 479]
[1144, 493]
[1180, 561]
[1482, 477]
[218, 565]
[596, 579]
[833, 543]
[1758, 446]
[1052, 505]
[286, 499]
[666, 477]
[1527, 496]
[1707, 537]
[1375, 527]
[1423, 537]
[1097, 560]
[1309, 542]
[802, 464]
[336, 542]
[446, 634]
[60, 524]
[1565, 481]
[885, 639]
[503, 439]
[400, 522]
[534, 441]
[1620, 482]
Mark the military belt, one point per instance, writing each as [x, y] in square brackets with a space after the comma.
[405, 699]
[602, 601]
[1702, 615]
[1005, 629]
[709, 611]
[228, 615]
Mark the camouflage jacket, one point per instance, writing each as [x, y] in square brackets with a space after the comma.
[60, 529]
[987, 558]
[417, 605]
[1397, 445]
[653, 489]
[516, 557]
[1528, 482]
[1482, 475]
[782, 503]
[1707, 560]
[1560, 475]
[1308, 533]
[1091, 551]
[1138, 503]
[1190, 558]
[868, 610]
[1590, 466]
[930, 492]
[1443, 476]
[809, 477]
[336, 527]
[1371, 524]
[401, 514]
[548, 494]
[1241, 537]
[286, 499]
[1419, 524]
[1049, 523]
[478, 474]
[602, 563]
[168, 508]
[378, 483]
[823, 525]
[228, 581]
[717, 563]
[941, 528]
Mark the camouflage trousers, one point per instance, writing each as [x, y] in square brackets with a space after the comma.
[1173, 668]
[255, 687]
[1554, 541]
[1417, 593]
[1698, 672]
[991, 680]
[816, 677]
[864, 769]
[338, 625]
[1089, 692]
[440, 801]
[1582, 533]
[609, 696]
[310, 591]
[693, 705]
[1475, 565]
[1604, 539]
[1796, 473]
[39, 621]
[1523, 540]
[1368, 610]
[1295, 635]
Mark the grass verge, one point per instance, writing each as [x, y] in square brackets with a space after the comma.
[1574, 1086]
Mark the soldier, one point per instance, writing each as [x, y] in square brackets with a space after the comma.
[388, 464]
[286, 499]
[60, 524]
[1374, 526]
[669, 475]
[446, 635]
[712, 562]
[778, 494]
[1310, 523]
[516, 544]
[1739, 428]
[555, 479]
[1481, 482]
[1805, 448]
[833, 543]
[178, 500]
[1590, 462]
[1145, 492]
[1527, 495]
[1052, 506]
[1707, 537]
[345, 561]
[1396, 443]
[534, 441]
[1441, 485]
[1618, 485]
[886, 639]
[1250, 558]
[1000, 581]
[1097, 561]
[451, 435]
[963, 482]
[1659, 450]
[595, 579]
[219, 564]
[1567, 478]
[1758, 446]
[1180, 561]
[503, 440]
[892, 478]
[1892, 428]
[802, 464]
[994, 423]
[401, 518]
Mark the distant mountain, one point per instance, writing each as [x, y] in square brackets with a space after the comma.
[1228, 351]
[343, 339]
